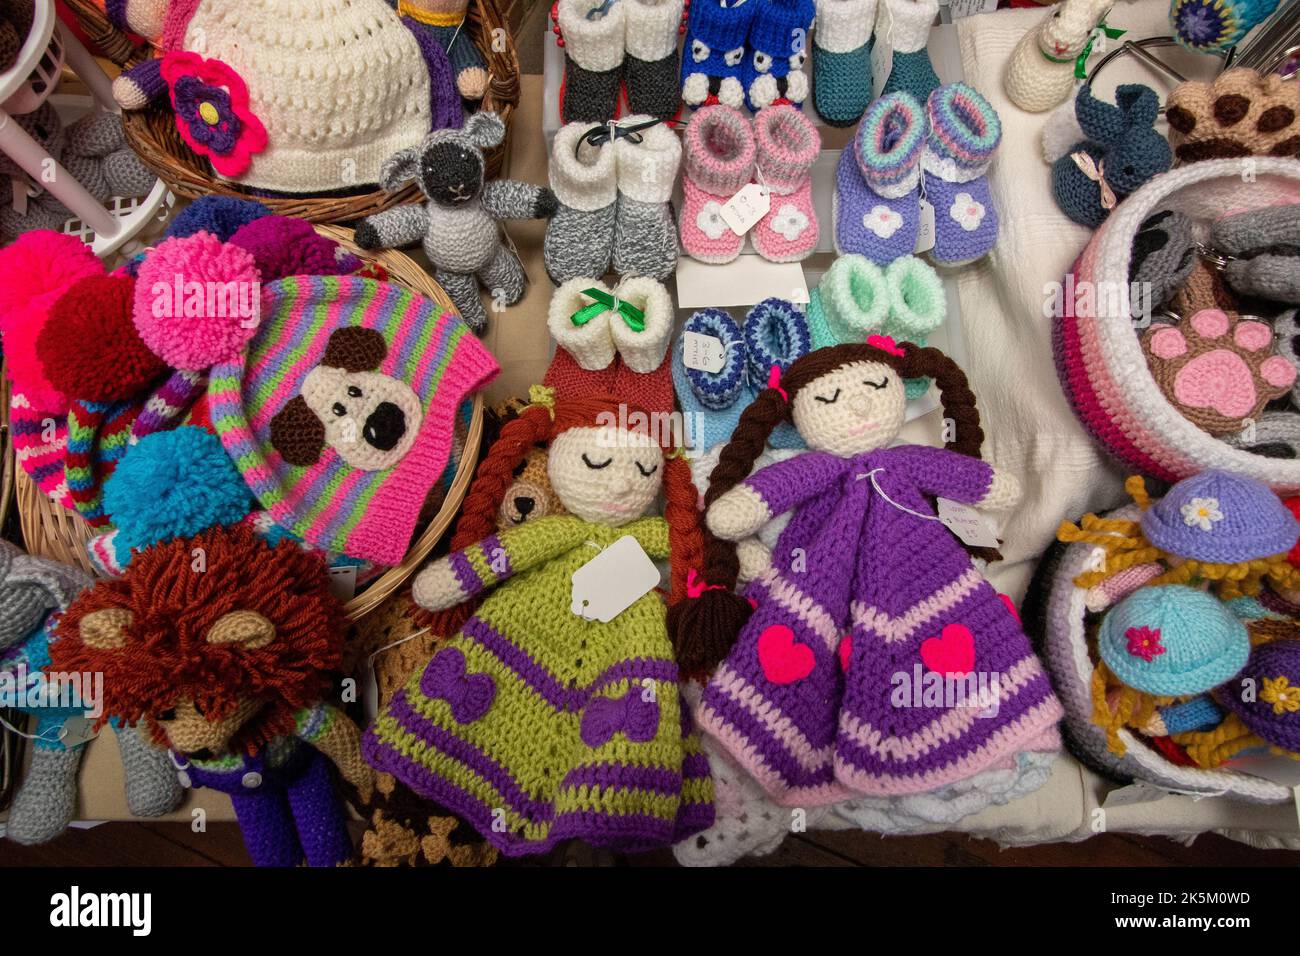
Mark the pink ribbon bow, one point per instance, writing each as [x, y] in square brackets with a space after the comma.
[885, 343]
[1097, 173]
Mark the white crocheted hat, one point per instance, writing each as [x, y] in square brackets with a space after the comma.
[338, 85]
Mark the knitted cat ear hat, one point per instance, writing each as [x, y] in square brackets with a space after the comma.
[339, 413]
[704, 627]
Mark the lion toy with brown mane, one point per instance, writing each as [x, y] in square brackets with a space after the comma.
[222, 647]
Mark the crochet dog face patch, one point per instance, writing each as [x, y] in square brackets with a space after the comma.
[369, 418]
[340, 412]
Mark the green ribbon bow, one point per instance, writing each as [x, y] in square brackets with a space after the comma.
[1081, 61]
[605, 302]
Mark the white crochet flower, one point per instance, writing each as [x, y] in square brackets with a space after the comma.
[882, 221]
[1202, 513]
[966, 211]
[789, 222]
[709, 220]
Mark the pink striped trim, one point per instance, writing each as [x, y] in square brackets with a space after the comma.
[770, 716]
[806, 609]
[895, 629]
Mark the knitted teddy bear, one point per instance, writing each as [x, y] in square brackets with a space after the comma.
[222, 646]
[1121, 152]
[458, 225]
[570, 715]
[92, 149]
[869, 597]
[32, 592]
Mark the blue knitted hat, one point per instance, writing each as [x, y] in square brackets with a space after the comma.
[1222, 518]
[1172, 641]
[774, 333]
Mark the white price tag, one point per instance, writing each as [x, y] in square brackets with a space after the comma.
[925, 229]
[743, 211]
[611, 582]
[343, 581]
[704, 353]
[78, 731]
[968, 8]
[1133, 794]
[966, 523]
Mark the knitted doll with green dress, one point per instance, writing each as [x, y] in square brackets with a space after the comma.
[535, 724]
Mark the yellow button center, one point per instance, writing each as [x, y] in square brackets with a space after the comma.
[209, 114]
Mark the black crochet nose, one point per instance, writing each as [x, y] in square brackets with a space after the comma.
[524, 505]
[384, 427]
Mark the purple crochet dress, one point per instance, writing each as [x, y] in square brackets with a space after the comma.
[879, 660]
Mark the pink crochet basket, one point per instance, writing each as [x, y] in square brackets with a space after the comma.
[1099, 357]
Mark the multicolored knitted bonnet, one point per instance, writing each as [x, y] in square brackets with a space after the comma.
[339, 414]
[1220, 517]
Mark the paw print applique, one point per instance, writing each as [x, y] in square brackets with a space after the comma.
[1239, 114]
[1218, 369]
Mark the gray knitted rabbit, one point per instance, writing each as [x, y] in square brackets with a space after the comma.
[32, 591]
[458, 225]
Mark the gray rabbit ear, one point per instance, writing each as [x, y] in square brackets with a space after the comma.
[399, 169]
[485, 129]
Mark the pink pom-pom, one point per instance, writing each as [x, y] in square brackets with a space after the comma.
[197, 301]
[34, 271]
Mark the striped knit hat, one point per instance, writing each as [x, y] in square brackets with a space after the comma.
[339, 414]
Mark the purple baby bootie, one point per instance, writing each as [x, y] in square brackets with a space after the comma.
[964, 133]
[877, 207]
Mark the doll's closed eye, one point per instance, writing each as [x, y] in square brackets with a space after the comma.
[828, 401]
[591, 464]
[646, 473]
[883, 383]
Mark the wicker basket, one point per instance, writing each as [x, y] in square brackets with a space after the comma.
[153, 135]
[53, 531]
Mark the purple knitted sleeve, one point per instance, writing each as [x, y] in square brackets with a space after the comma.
[948, 474]
[787, 484]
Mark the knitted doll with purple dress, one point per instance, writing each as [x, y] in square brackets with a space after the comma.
[877, 659]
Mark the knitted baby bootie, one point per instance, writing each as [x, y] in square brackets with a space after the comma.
[841, 60]
[907, 27]
[719, 154]
[651, 68]
[850, 303]
[580, 236]
[579, 321]
[642, 375]
[772, 71]
[877, 207]
[964, 133]
[787, 145]
[918, 305]
[713, 52]
[645, 235]
[776, 334]
[710, 400]
[595, 34]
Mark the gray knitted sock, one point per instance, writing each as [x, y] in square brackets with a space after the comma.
[580, 236]
[1164, 253]
[47, 799]
[463, 291]
[594, 32]
[645, 233]
[152, 787]
[126, 175]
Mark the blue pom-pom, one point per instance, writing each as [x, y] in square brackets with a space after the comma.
[219, 215]
[173, 484]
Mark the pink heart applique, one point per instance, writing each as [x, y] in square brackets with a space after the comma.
[846, 651]
[784, 660]
[952, 653]
[1006, 599]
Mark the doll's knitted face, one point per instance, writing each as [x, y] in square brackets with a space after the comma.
[855, 409]
[605, 475]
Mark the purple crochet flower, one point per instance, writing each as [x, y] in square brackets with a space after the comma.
[1200, 24]
[210, 101]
